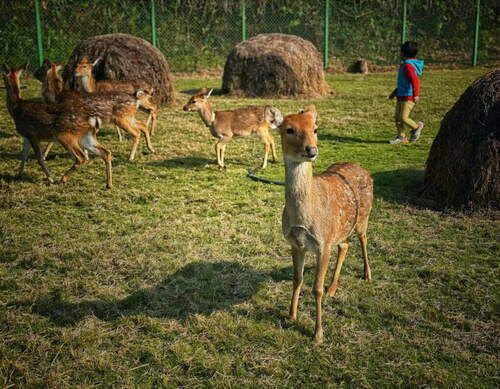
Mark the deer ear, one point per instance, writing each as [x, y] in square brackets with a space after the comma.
[139, 93]
[21, 69]
[59, 66]
[273, 116]
[209, 93]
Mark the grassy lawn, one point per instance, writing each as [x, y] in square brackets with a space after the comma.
[180, 275]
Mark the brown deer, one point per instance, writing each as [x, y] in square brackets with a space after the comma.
[74, 128]
[87, 82]
[223, 125]
[52, 84]
[320, 211]
[116, 107]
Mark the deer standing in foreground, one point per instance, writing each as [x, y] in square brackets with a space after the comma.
[87, 82]
[223, 125]
[75, 129]
[116, 107]
[320, 211]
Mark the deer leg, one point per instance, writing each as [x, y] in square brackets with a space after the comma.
[144, 128]
[321, 268]
[120, 138]
[343, 247]
[38, 154]
[151, 122]
[78, 154]
[298, 278]
[24, 156]
[273, 147]
[220, 148]
[90, 143]
[364, 240]
[126, 125]
[47, 150]
[267, 147]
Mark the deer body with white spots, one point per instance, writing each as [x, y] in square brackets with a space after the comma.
[321, 211]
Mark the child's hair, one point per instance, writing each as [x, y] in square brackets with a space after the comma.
[409, 49]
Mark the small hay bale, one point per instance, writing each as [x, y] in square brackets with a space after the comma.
[463, 165]
[124, 57]
[360, 66]
[274, 65]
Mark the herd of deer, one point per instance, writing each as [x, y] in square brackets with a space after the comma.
[321, 211]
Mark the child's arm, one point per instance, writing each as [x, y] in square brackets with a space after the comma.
[409, 71]
[393, 94]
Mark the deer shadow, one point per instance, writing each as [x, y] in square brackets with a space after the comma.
[7, 135]
[183, 162]
[197, 288]
[346, 139]
[192, 92]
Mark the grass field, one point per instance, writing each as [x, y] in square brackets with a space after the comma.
[180, 275]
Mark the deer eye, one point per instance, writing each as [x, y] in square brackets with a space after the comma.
[289, 130]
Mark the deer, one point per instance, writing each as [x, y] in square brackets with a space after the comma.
[321, 211]
[224, 125]
[86, 81]
[53, 84]
[116, 107]
[75, 129]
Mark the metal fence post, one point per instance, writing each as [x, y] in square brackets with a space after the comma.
[476, 34]
[243, 20]
[403, 28]
[38, 32]
[326, 35]
[153, 23]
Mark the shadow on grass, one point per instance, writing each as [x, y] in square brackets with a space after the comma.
[186, 162]
[216, 91]
[7, 135]
[400, 186]
[197, 288]
[346, 139]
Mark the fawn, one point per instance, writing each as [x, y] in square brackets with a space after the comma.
[223, 125]
[320, 211]
[74, 128]
[52, 84]
[117, 107]
[87, 82]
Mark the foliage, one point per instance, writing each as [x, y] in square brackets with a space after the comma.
[194, 34]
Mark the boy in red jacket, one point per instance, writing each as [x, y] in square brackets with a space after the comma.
[407, 93]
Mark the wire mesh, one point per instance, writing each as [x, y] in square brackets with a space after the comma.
[195, 34]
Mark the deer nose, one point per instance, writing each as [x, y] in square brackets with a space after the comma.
[185, 108]
[311, 151]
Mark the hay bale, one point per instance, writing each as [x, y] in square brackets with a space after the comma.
[274, 65]
[360, 66]
[124, 57]
[463, 165]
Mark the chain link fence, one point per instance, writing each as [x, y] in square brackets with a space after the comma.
[195, 34]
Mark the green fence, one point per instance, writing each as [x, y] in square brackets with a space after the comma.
[196, 34]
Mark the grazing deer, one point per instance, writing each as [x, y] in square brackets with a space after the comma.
[75, 129]
[87, 83]
[320, 211]
[223, 125]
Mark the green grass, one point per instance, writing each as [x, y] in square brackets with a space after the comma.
[180, 275]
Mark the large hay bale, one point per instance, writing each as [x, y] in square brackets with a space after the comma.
[274, 65]
[124, 57]
[463, 165]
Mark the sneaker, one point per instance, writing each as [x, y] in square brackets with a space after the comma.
[398, 139]
[415, 134]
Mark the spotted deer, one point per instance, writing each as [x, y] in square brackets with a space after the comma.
[116, 107]
[74, 128]
[321, 211]
[223, 125]
[87, 82]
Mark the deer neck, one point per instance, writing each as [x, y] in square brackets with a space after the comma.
[299, 189]
[13, 96]
[88, 84]
[207, 115]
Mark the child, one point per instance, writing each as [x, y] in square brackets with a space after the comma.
[407, 93]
